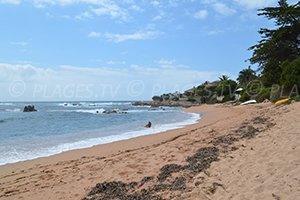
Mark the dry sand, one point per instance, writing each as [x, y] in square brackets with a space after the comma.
[241, 152]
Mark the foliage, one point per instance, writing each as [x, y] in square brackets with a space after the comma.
[157, 98]
[223, 78]
[226, 87]
[191, 100]
[228, 98]
[264, 94]
[290, 76]
[245, 76]
[280, 44]
[296, 98]
[244, 96]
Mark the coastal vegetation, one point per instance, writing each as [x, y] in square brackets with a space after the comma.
[276, 57]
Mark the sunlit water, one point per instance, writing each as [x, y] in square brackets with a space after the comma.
[62, 126]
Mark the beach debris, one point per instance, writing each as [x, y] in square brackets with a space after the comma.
[148, 125]
[198, 162]
[29, 108]
[146, 179]
[178, 184]
[175, 177]
[224, 139]
[119, 190]
[202, 159]
[167, 170]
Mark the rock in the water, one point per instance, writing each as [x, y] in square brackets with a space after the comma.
[29, 108]
[110, 111]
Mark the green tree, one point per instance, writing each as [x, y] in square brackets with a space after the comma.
[223, 78]
[280, 44]
[157, 98]
[245, 76]
[290, 76]
[226, 88]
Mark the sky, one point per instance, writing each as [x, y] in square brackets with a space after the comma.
[104, 50]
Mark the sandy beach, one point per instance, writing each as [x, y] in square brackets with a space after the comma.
[233, 152]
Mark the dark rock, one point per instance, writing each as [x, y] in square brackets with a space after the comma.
[110, 111]
[29, 108]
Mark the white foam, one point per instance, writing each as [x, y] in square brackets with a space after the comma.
[13, 110]
[13, 156]
[94, 104]
[6, 104]
[144, 110]
[92, 111]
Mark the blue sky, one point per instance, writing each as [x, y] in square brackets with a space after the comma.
[121, 50]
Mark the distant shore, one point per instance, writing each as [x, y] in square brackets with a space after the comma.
[237, 152]
[184, 104]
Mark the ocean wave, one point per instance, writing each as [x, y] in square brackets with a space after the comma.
[93, 111]
[14, 156]
[149, 110]
[13, 110]
[94, 104]
[105, 104]
[6, 104]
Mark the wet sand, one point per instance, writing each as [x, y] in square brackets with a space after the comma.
[241, 152]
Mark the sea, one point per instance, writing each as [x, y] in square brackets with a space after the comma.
[61, 126]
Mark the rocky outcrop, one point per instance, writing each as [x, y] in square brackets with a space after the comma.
[29, 108]
[184, 104]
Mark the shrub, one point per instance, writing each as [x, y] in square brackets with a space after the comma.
[226, 87]
[191, 100]
[265, 93]
[157, 98]
[296, 98]
[227, 98]
[244, 96]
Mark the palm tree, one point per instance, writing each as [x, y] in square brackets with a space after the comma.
[245, 76]
[224, 78]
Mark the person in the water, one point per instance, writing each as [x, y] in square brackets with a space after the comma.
[148, 125]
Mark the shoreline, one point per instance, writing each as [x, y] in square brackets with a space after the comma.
[72, 174]
[121, 137]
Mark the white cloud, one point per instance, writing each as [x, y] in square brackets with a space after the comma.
[10, 1]
[141, 35]
[111, 9]
[159, 16]
[254, 4]
[155, 3]
[27, 82]
[94, 34]
[113, 62]
[169, 64]
[20, 43]
[223, 9]
[201, 14]
[136, 8]
[214, 32]
[84, 15]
